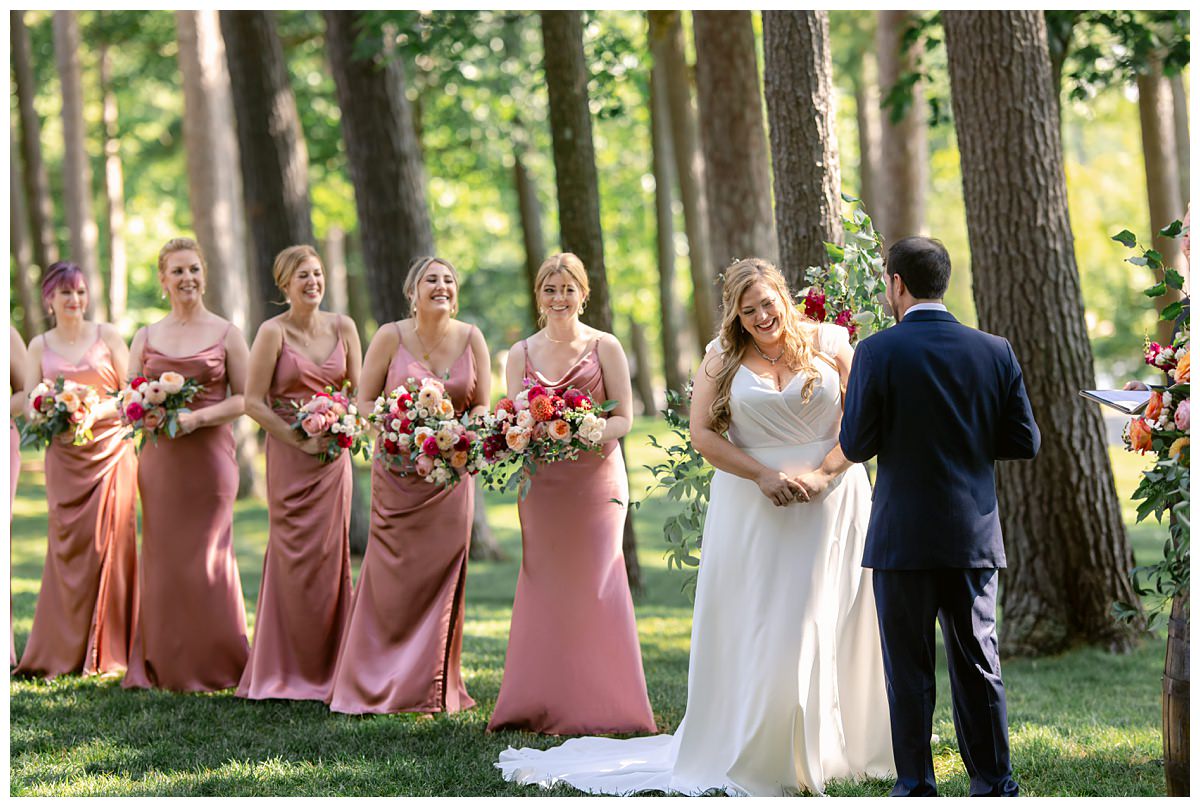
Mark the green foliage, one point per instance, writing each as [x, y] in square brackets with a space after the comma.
[854, 280]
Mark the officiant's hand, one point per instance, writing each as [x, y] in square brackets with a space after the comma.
[813, 484]
[777, 487]
[1134, 385]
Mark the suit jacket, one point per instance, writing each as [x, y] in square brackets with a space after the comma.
[939, 403]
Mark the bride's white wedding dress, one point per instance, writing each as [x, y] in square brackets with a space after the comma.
[785, 679]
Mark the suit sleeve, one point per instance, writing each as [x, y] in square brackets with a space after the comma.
[1017, 437]
[861, 419]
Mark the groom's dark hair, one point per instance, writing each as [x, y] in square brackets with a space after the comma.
[923, 263]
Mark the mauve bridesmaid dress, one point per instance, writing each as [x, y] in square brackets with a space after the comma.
[87, 604]
[573, 664]
[304, 600]
[403, 649]
[191, 629]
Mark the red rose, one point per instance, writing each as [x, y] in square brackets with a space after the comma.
[845, 318]
[537, 391]
[137, 382]
[37, 403]
[407, 426]
[344, 440]
[391, 447]
[462, 444]
[430, 447]
[135, 411]
[814, 305]
[573, 398]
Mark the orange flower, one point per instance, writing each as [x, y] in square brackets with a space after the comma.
[1183, 370]
[1176, 450]
[458, 459]
[542, 408]
[560, 430]
[1154, 408]
[1140, 436]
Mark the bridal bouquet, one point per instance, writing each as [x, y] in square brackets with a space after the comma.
[539, 426]
[151, 406]
[60, 407]
[333, 415]
[420, 433]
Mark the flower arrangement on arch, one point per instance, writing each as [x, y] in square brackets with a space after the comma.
[332, 415]
[420, 434]
[60, 409]
[152, 406]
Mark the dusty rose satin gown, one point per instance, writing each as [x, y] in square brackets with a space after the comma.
[403, 649]
[87, 604]
[191, 629]
[574, 665]
[304, 600]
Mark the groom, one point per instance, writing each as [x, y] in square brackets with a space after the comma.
[939, 403]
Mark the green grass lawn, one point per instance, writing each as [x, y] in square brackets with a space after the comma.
[1083, 723]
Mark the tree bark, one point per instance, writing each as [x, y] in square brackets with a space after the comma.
[77, 169]
[360, 512]
[577, 187]
[215, 193]
[114, 193]
[664, 215]
[31, 322]
[667, 48]
[358, 297]
[866, 114]
[530, 210]
[334, 252]
[1067, 551]
[274, 157]
[385, 163]
[740, 220]
[643, 383]
[483, 541]
[808, 180]
[1162, 175]
[1183, 140]
[904, 158]
[37, 184]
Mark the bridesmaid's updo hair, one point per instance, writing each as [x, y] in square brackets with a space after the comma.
[179, 245]
[289, 260]
[416, 270]
[567, 262]
[58, 275]
[798, 347]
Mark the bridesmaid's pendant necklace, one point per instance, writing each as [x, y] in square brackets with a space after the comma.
[426, 351]
[574, 336]
[765, 356]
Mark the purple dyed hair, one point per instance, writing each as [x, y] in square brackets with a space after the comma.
[57, 275]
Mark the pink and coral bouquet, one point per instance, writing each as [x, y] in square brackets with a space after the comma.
[332, 415]
[59, 409]
[1164, 426]
[152, 406]
[420, 434]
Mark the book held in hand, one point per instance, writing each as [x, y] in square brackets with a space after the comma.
[1127, 401]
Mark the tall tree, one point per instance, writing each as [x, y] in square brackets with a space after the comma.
[664, 216]
[114, 191]
[870, 142]
[1067, 550]
[904, 159]
[77, 169]
[1183, 139]
[530, 211]
[214, 190]
[334, 252]
[577, 186]
[799, 90]
[271, 143]
[667, 48]
[384, 158]
[738, 178]
[32, 322]
[37, 184]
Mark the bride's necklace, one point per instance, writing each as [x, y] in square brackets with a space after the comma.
[765, 356]
[426, 351]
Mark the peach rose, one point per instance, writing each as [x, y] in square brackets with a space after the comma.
[525, 419]
[517, 439]
[70, 400]
[1140, 437]
[154, 418]
[1176, 450]
[446, 408]
[155, 392]
[1154, 408]
[560, 430]
[171, 381]
[313, 425]
[458, 459]
[1183, 370]
[429, 397]
[424, 465]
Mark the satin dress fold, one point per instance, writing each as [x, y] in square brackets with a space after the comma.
[403, 649]
[304, 599]
[785, 676]
[88, 600]
[191, 629]
[573, 663]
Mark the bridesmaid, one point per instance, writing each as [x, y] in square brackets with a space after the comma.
[304, 600]
[573, 664]
[191, 631]
[403, 649]
[17, 358]
[88, 600]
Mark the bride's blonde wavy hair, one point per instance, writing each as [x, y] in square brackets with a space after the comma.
[798, 347]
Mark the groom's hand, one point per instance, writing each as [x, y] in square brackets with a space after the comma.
[777, 487]
[812, 484]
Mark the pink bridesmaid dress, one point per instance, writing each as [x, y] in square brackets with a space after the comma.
[403, 649]
[573, 664]
[304, 600]
[191, 628]
[88, 601]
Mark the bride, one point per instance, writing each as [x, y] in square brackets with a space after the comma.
[785, 679]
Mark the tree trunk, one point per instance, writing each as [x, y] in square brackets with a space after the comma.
[334, 252]
[385, 163]
[740, 220]
[866, 114]
[808, 180]
[643, 383]
[31, 322]
[274, 158]
[114, 193]
[358, 297]
[1162, 175]
[1183, 140]
[215, 193]
[483, 540]
[576, 184]
[1060, 26]
[662, 152]
[904, 159]
[77, 170]
[667, 47]
[1067, 550]
[360, 512]
[37, 184]
[530, 210]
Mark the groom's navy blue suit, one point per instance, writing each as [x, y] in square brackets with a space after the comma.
[939, 403]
